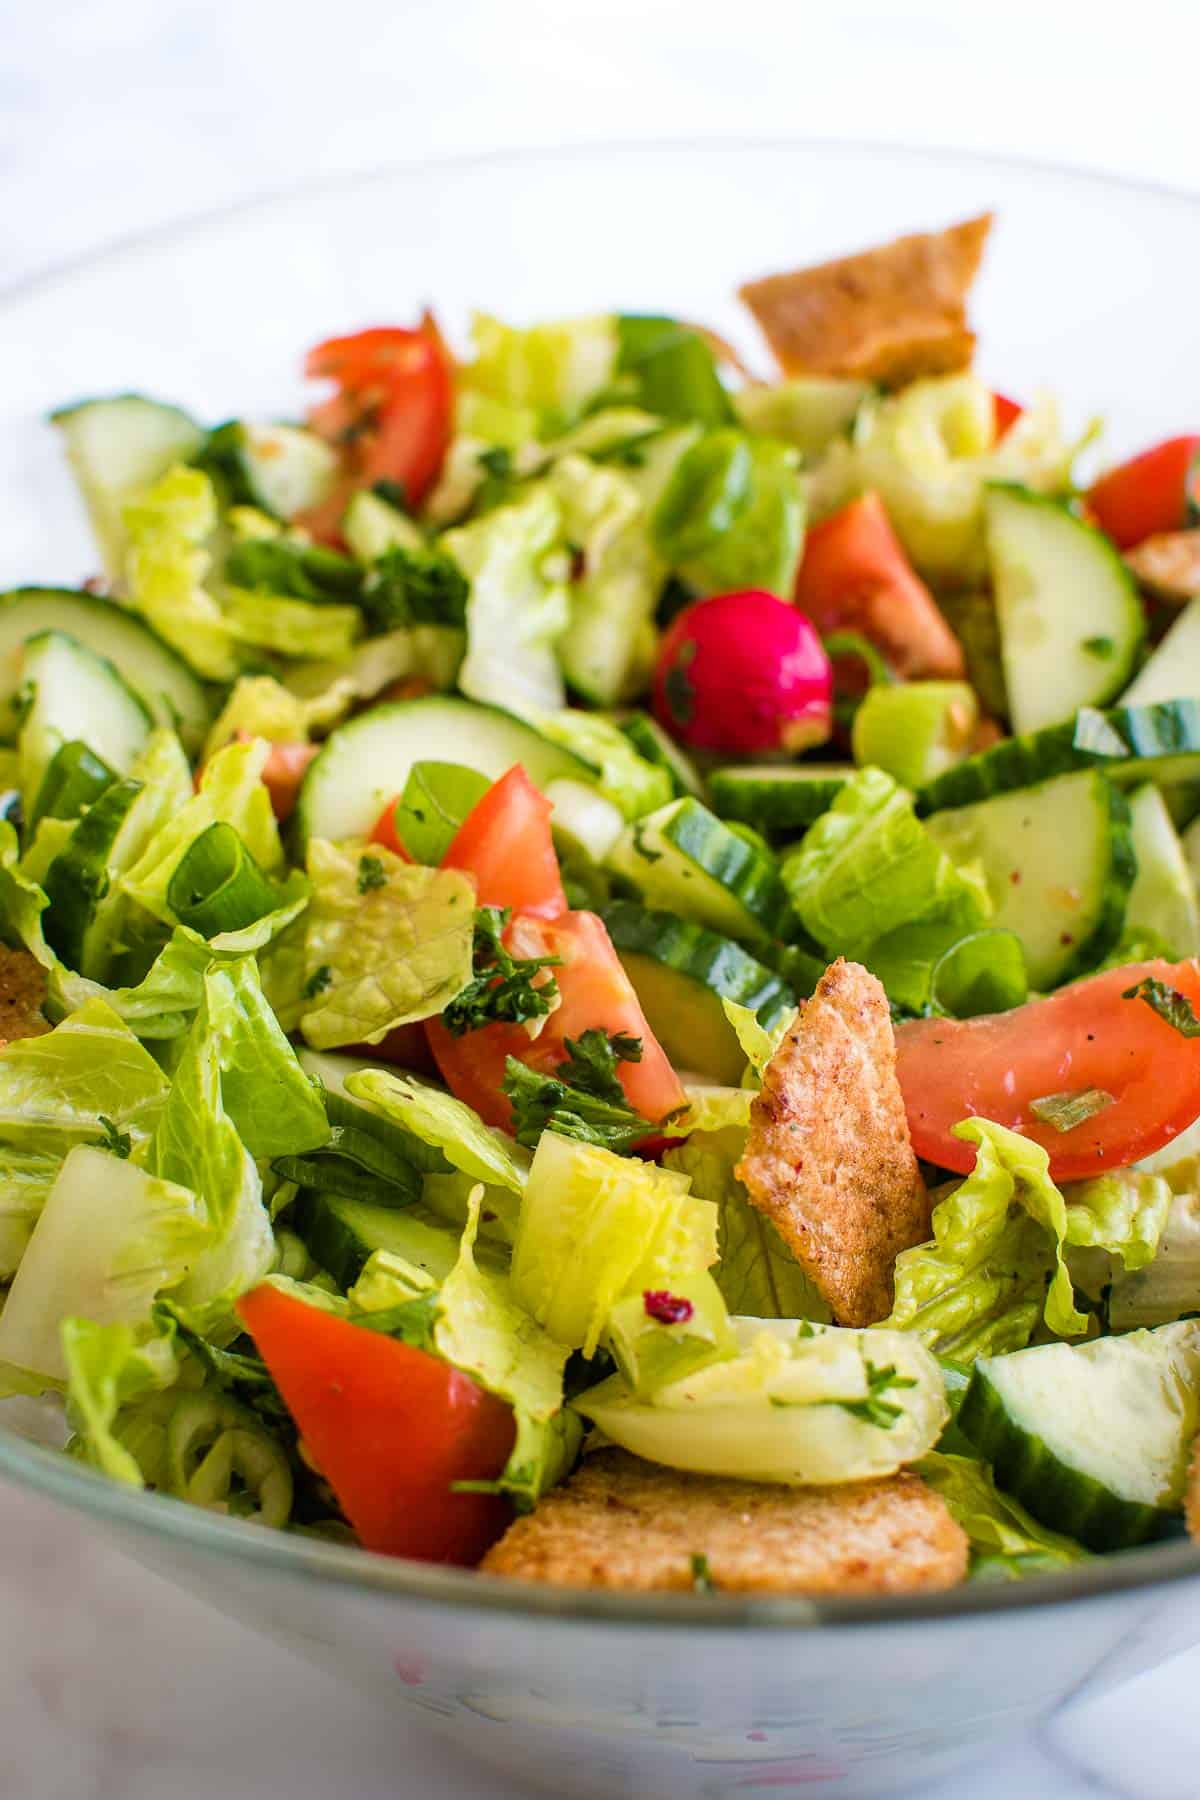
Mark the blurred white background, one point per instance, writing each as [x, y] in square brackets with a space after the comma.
[118, 115]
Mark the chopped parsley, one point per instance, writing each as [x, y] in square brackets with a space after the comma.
[875, 1410]
[1101, 647]
[117, 1143]
[415, 587]
[280, 565]
[370, 874]
[1172, 1006]
[702, 1576]
[317, 982]
[504, 987]
[578, 1101]
[1065, 1111]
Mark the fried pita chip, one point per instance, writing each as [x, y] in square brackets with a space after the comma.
[623, 1523]
[828, 1156]
[22, 992]
[1168, 564]
[885, 315]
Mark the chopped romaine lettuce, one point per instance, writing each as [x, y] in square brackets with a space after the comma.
[595, 1226]
[387, 942]
[275, 1107]
[110, 1368]
[608, 648]
[1005, 1540]
[104, 1263]
[518, 607]
[259, 706]
[552, 369]
[296, 628]
[757, 1042]
[1122, 1213]
[437, 1118]
[979, 1287]
[732, 515]
[633, 785]
[800, 1404]
[166, 565]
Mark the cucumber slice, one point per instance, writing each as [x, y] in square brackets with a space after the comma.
[1129, 744]
[366, 762]
[1059, 865]
[682, 973]
[79, 880]
[74, 693]
[162, 678]
[584, 823]
[1092, 1438]
[115, 447]
[1173, 671]
[783, 797]
[808, 412]
[287, 469]
[341, 1234]
[1071, 622]
[1163, 897]
[371, 528]
[652, 742]
[683, 859]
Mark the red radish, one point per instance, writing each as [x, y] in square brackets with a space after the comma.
[1154, 492]
[744, 674]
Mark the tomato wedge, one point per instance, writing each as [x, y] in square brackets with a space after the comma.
[1154, 492]
[392, 415]
[384, 832]
[283, 773]
[505, 842]
[390, 1428]
[595, 992]
[1005, 412]
[1086, 1036]
[856, 577]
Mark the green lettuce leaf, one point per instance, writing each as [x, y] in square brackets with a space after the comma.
[22, 901]
[595, 1226]
[109, 1369]
[104, 1262]
[437, 1118]
[231, 790]
[627, 779]
[330, 689]
[550, 369]
[868, 867]
[609, 648]
[275, 1108]
[758, 1043]
[1005, 1540]
[1122, 1213]
[756, 1272]
[296, 628]
[732, 515]
[482, 1330]
[518, 606]
[259, 706]
[670, 369]
[387, 942]
[979, 1287]
[166, 565]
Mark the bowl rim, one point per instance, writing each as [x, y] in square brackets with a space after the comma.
[72, 1484]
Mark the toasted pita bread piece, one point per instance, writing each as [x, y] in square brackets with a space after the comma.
[1168, 564]
[828, 1156]
[623, 1523]
[886, 315]
[22, 991]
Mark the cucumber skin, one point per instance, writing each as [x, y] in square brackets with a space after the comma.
[750, 876]
[1170, 728]
[1061, 1497]
[786, 806]
[713, 962]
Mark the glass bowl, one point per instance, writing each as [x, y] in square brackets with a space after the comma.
[1088, 288]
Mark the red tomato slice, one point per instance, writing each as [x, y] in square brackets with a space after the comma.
[1005, 412]
[1149, 493]
[393, 415]
[505, 842]
[283, 773]
[384, 832]
[856, 577]
[391, 1429]
[1085, 1036]
[595, 991]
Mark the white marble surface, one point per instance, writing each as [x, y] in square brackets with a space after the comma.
[114, 118]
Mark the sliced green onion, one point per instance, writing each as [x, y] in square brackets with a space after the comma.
[217, 885]
[347, 1116]
[74, 780]
[1065, 1111]
[218, 1456]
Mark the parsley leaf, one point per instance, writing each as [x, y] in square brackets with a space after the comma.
[370, 874]
[279, 565]
[583, 1107]
[415, 587]
[702, 1577]
[504, 986]
[317, 982]
[875, 1410]
[1168, 1003]
[117, 1143]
